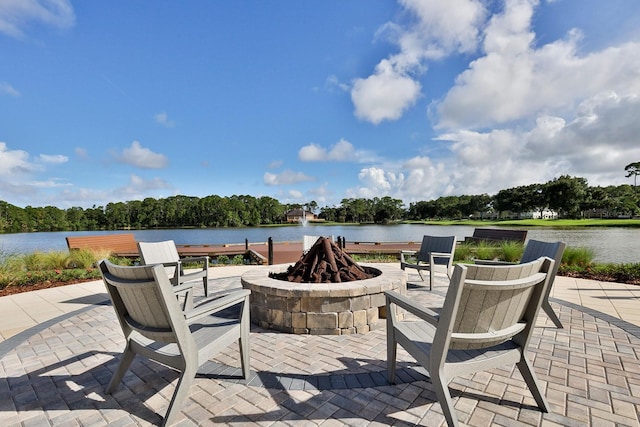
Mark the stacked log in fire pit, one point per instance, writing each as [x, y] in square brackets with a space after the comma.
[325, 262]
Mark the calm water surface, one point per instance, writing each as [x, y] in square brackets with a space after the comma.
[610, 244]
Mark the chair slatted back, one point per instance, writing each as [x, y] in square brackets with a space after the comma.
[536, 249]
[442, 244]
[308, 242]
[144, 301]
[158, 253]
[492, 304]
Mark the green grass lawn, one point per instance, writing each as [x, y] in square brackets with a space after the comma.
[559, 223]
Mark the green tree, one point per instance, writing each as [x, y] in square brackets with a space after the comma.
[633, 169]
[567, 194]
[387, 209]
[508, 200]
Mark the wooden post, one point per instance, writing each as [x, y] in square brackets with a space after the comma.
[246, 244]
[270, 242]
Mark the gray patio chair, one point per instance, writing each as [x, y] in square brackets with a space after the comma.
[157, 328]
[533, 250]
[166, 253]
[488, 316]
[436, 253]
[308, 242]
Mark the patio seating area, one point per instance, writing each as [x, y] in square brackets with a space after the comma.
[59, 349]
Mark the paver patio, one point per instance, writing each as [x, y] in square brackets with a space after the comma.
[60, 349]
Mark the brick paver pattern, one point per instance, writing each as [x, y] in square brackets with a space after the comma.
[56, 376]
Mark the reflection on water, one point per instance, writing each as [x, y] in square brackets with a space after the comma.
[609, 244]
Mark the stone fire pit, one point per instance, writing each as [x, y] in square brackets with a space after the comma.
[321, 308]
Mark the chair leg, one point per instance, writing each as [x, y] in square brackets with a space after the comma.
[532, 382]
[552, 314]
[180, 393]
[444, 398]
[392, 350]
[123, 365]
[187, 304]
[205, 282]
[243, 342]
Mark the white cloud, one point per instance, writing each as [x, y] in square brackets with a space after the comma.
[55, 158]
[20, 178]
[139, 186]
[378, 179]
[440, 28]
[554, 110]
[141, 157]
[294, 194]
[13, 161]
[514, 80]
[418, 178]
[599, 141]
[287, 177]
[320, 194]
[50, 183]
[312, 153]
[385, 95]
[595, 143]
[17, 15]
[342, 151]
[443, 27]
[7, 89]
[163, 119]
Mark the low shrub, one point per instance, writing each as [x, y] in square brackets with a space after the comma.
[620, 273]
[29, 278]
[464, 252]
[577, 256]
[222, 259]
[374, 257]
[487, 250]
[82, 258]
[511, 251]
[53, 267]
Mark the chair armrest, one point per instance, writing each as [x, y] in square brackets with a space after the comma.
[216, 302]
[403, 302]
[184, 287]
[407, 253]
[434, 255]
[441, 255]
[175, 280]
[171, 264]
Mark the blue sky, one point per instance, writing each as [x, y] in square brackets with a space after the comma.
[105, 101]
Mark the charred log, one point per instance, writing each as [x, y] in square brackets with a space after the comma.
[325, 262]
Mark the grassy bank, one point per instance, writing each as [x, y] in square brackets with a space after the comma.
[38, 270]
[554, 223]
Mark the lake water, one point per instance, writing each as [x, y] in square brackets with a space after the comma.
[610, 244]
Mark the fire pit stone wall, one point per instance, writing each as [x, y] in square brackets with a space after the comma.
[321, 308]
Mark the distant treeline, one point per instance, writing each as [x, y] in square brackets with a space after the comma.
[569, 197]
